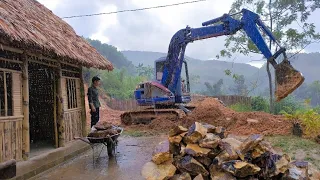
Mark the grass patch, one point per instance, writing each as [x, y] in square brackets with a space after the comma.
[239, 107]
[293, 145]
[133, 133]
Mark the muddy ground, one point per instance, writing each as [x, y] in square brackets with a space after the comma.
[132, 153]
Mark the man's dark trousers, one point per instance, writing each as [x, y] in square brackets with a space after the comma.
[94, 117]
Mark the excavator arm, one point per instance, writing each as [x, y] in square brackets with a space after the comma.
[287, 78]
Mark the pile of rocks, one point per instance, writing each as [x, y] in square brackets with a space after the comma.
[103, 129]
[203, 152]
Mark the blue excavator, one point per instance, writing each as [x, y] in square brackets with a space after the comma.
[167, 96]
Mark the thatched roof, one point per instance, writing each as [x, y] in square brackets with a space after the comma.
[28, 25]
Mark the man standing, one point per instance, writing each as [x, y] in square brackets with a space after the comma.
[93, 98]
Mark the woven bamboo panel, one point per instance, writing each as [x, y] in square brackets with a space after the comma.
[10, 139]
[73, 124]
[17, 94]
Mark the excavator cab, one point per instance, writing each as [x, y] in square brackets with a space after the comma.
[182, 94]
[287, 77]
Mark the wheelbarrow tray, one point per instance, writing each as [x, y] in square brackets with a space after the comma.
[105, 139]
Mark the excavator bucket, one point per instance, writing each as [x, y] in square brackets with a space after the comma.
[288, 79]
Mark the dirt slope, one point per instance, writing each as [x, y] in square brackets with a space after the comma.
[207, 110]
[211, 111]
[106, 113]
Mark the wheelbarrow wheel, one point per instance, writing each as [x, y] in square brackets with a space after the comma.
[110, 148]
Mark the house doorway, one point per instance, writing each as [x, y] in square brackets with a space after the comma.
[41, 108]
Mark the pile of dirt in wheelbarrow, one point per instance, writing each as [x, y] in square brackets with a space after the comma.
[212, 111]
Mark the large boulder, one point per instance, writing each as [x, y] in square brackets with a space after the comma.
[240, 169]
[196, 132]
[190, 165]
[152, 171]
[162, 153]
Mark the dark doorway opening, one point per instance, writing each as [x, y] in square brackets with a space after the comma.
[41, 108]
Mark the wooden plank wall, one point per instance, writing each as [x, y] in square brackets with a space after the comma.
[11, 126]
[17, 94]
[11, 139]
[72, 117]
[73, 124]
[64, 93]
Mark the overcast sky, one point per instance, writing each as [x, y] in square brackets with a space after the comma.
[149, 30]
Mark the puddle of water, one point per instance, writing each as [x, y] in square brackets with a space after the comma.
[132, 154]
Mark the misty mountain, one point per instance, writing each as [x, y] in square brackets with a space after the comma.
[208, 70]
[307, 64]
[212, 70]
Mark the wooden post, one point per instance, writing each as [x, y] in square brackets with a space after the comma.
[61, 129]
[56, 137]
[83, 105]
[25, 123]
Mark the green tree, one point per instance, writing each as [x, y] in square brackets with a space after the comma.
[259, 103]
[309, 91]
[117, 84]
[113, 55]
[145, 71]
[281, 17]
[239, 88]
[215, 89]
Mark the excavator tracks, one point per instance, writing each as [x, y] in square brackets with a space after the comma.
[147, 115]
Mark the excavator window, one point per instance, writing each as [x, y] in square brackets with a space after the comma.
[159, 70]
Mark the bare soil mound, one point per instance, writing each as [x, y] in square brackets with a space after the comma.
[212, 111]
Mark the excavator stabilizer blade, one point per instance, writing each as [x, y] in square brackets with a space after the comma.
[288, 79]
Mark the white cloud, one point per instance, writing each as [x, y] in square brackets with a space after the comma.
[148, 30]
[105, 23]
[256, 64]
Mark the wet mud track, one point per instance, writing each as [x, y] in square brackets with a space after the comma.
[131, 154]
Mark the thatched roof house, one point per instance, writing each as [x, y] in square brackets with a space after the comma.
[41, 85]
[30, 26]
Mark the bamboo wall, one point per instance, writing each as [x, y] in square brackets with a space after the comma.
[73, 124]
[11, 126]
[72, 117]
[68, 122]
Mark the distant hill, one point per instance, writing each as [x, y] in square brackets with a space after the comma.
[307, 64]
[208, 70]
[113, 55]
[213, 70]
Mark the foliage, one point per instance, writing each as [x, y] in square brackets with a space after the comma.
[113, 55]
[309, 91]
[239, 88]
[240, 107]
[117, 84]
[284, 15]
[309, 117]
[259, 103]
[289, 104]
[145, 71]
[215, 89]
[280, 17]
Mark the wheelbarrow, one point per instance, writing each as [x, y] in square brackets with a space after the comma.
[110, 141]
